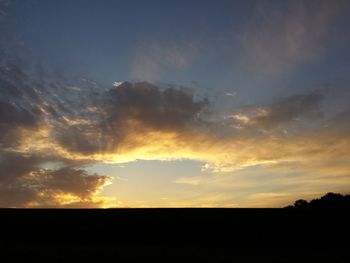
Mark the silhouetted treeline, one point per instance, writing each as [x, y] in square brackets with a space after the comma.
[329, 200]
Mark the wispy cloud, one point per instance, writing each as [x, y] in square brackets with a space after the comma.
[279, 39]
[153, 59]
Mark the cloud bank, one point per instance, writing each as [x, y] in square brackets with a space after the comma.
[52, 128]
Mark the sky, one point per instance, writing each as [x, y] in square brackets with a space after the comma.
[173, 103]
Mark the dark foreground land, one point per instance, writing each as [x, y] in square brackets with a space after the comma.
[176, 235]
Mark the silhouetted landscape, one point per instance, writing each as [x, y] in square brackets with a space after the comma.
[318, 234]
[171, 131]
[329, 200]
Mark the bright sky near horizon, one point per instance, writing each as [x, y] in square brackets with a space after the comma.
[173, 103]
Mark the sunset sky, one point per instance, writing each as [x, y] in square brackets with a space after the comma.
[173, 103]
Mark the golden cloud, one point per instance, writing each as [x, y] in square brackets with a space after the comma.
[143, 121]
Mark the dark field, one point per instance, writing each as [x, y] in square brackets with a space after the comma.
[175, 235]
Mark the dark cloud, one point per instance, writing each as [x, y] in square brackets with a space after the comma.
[284, 111]
[166, 109]
[28, 104]
[85, 117]
[15, 115]
[23, 182]
[15, 165]
[18, 104]
[290, 109]
[76, 140]
[142, 104]
[16, 196]
[69, 180]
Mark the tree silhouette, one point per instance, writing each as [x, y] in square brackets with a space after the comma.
[300, 203]
[329, 200]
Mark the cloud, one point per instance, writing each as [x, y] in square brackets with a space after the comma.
[17, 105]
[153, 59]
[3, 8]
[189, 180]
[28, 112]
[78, 122]
[24, 183]
[305, 164]
[304, 171]
[281, 112]
[168, 109]
[278, 39]
[143, 121]
[231, 94]
[128, 111]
